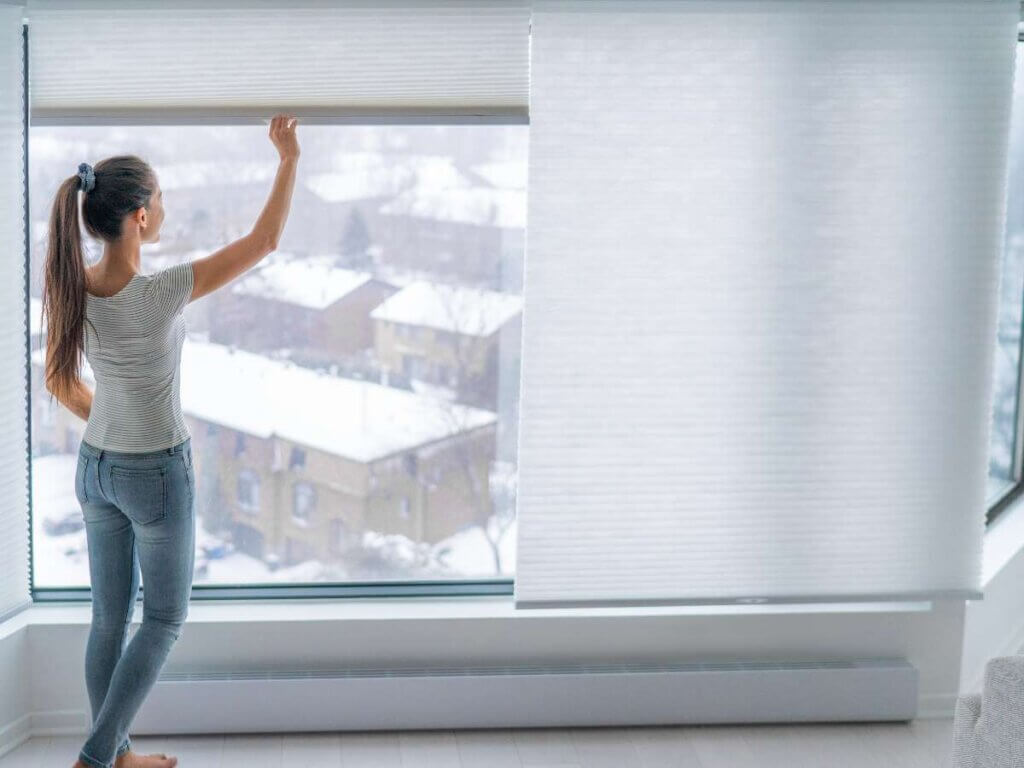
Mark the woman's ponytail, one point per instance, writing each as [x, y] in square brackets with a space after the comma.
[64, 291]
[115, 188]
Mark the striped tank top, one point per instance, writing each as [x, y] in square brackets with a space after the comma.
[133, 344]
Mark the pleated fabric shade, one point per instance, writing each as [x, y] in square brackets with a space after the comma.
[217, 61]
[760, 298]
[14, 538]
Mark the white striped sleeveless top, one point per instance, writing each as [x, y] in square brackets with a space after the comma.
[133, 344]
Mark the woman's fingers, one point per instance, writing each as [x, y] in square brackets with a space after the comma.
[282, 121]
[282, 133]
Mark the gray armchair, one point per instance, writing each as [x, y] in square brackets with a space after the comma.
[988, 728]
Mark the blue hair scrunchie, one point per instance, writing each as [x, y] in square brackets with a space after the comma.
[87, 179]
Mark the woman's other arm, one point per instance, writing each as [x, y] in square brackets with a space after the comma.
[80, 400]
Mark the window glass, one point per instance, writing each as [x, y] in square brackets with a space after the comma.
[332, 360]
[1011, 292]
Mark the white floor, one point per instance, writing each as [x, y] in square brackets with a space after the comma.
[919, 744]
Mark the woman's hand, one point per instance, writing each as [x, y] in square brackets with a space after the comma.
[282, 133]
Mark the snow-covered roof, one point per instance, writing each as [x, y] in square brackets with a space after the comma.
[312, 282]
[483, 206]
[359, 420]
[433, 187]
[468, 311]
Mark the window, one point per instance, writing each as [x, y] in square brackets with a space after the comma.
[1004, 448]
[391, 205]
[304, 500]
[338, 535]
[403, 508]
[410, 464]
[414, 366]
[248, 490]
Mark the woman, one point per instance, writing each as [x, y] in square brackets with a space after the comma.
[134, 478]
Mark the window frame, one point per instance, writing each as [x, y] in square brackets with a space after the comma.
[256, 591]
[1015, 485]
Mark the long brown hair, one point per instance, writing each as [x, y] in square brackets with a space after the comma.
[124, 184]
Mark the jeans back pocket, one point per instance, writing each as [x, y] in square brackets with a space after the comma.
[140, 493]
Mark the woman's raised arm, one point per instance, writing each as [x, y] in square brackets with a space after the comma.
[220, 267]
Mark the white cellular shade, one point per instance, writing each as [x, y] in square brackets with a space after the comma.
[14, 584]
[215, 60]
[760, 298]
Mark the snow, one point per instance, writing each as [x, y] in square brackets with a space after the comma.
[424, 186]
[482, 206]
[469, 553]
[40, 230]
[206, 172]
[436, 173]
[308, 282]
[468, 311]
[35, 309]
[62, 561]
[361, 175]
[364, 175]
[427, 186]
[507, 174]
[57, 560]
[433, 390]
[359, 420]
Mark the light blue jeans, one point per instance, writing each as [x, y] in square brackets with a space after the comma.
[139, 512]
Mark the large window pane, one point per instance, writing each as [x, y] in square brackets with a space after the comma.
[1011, 292]
[352, 399]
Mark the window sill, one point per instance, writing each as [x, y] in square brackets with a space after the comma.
[433, 608]
[1003, 541]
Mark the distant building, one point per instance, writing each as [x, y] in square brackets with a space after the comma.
[457, 225]
[447, 336]
[296, 464]
[316, 310]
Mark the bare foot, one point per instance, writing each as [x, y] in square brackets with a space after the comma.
[131, 760]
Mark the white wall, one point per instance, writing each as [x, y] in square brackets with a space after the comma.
[994, 626]
[217, 638]
[15, 682]
[41, 663]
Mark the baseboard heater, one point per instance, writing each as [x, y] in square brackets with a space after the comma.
[531, 696]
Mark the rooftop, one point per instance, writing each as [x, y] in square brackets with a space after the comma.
[312, 282]
[359, 420]
[467, 311]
